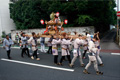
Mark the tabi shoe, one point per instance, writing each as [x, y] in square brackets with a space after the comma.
[82, 65]
[65, 60]
[38, 59]
[32, 57]
[60, 64]
[56, 63]
[85, 72]
[99, 73]
[72, 66]
[101, 64]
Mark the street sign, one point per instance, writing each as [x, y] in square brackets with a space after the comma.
[118, 13]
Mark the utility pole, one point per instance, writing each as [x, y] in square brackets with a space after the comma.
[1, 28]
[118, 22]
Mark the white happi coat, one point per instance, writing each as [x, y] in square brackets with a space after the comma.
[54, 45]
[32, 42]
[91, 46]
[65, 44]
[97, 45]
[24, 42]
[49, 42]
[77, 43]
[92, 49]
[7, 44]
[88, 37]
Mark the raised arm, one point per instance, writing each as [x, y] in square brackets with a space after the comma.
[30, 40]
[98, 36]
[57, 41]
[66, 42]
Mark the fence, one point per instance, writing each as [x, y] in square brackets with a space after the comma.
[80, 30]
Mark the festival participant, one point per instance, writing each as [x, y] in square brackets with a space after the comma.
[88, 36]
[33, 42]
[85, 48]
[20, 39]
[92, 58]
[76, 33]
[76, 51]
[7, 45]
[65, 48]
[17, 38]
[50, 45]
[31, 52]
[55, 48]
[25, 49]
[42, 43]
[97, 45]
[21, 33]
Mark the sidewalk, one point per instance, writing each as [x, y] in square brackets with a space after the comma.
[108, 44]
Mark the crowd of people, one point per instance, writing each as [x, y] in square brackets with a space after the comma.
[90, 44]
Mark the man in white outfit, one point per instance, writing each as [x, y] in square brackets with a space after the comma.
[76, 51]
[7, 45]
[55, 49]
[42, 43]
[85, 48]
[17, 38]
[97, 45]
[25, 49]
[92, 58]
[33, 42]
[88, 37]
[65, 48]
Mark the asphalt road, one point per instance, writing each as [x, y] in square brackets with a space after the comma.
[18, 71]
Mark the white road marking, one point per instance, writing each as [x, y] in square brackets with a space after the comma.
[39, 65]
[115, 53]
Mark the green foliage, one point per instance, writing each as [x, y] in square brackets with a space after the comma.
[3, 34]
[84, 20]
[28, 13]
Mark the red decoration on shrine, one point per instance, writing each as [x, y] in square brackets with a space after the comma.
[65, 21]
[42, 21]
[45, 31]
[62, 28]
[57, 14]
[56, 28]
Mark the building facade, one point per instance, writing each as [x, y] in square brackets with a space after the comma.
[6, 24]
